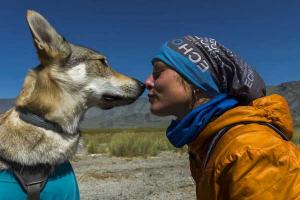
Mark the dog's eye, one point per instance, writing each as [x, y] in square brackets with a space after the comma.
[104, 62]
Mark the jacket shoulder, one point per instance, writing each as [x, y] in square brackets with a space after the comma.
[252, 161]
[254, 140]
[252, 137]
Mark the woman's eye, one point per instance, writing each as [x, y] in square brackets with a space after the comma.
[155, 75]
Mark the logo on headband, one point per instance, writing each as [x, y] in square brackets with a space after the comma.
[185, 48]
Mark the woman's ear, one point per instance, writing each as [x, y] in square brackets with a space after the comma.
[199, 97]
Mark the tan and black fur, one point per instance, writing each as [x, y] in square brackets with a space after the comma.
[69, 80]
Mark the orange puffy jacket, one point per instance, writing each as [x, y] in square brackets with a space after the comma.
[251, 161]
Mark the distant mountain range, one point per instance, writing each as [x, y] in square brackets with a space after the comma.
[291, 91]
[5, 104]
[138, 115]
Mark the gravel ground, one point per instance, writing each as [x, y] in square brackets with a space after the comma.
[164, 177]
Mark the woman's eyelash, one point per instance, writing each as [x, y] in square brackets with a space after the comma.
[156, 74]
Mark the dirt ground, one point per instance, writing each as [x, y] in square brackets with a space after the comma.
[163, 177]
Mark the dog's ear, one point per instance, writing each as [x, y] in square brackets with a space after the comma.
[51, 47]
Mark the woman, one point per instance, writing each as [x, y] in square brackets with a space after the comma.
[236, 135]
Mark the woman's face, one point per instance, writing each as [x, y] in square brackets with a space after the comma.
[167, 92]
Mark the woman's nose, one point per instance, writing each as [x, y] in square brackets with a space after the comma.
[149, 82]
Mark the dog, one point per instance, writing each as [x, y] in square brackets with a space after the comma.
[43, 127]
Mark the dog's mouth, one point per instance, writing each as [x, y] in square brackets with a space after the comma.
[109, 101]
[111, 98]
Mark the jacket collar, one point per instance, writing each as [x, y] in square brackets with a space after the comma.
[272, 109]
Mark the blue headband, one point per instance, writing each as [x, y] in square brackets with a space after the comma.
[191, 71]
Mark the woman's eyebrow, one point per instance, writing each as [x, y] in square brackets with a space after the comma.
[159, 68]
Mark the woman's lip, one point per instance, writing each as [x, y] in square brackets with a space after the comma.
[151, 97]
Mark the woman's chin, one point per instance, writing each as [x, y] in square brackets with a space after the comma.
[158, 112]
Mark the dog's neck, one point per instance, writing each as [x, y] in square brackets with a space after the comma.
[66, 117]
[68, 113]
[54, 100]
[30, 145]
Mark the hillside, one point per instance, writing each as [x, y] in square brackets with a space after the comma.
[138, 115]
[134, 115]
[291, 91]
[5, 104]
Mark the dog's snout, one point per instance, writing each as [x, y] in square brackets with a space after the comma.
[140, 84]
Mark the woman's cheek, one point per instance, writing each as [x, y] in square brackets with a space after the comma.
[156, 107]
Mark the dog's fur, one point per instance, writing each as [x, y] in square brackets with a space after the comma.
[69, 80]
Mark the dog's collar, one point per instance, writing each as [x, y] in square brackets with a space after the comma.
[36, 120]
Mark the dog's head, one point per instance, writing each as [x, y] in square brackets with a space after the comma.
[68, 72]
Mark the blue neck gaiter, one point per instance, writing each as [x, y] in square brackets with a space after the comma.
[187, 129]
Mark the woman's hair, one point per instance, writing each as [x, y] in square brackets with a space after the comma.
[187, 86]
[196, 93]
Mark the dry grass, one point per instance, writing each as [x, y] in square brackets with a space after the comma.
[127, 142]
[136, 142]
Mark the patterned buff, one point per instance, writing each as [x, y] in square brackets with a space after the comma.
[217, 71]
[213, 68]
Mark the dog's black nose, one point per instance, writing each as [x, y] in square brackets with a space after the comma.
[142, 85]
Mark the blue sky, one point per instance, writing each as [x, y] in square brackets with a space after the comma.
[129, 32]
